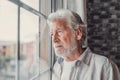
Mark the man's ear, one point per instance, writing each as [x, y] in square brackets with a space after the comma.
[79, 33]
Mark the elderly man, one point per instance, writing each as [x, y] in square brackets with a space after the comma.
[75, 62]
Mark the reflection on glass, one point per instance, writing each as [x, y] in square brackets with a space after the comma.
[8, 37]
[44, 40]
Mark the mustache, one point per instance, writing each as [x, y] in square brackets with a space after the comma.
[57, 44]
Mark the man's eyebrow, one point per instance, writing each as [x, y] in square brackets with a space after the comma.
[60, 28]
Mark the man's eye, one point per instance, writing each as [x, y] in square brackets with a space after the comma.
[59, 31]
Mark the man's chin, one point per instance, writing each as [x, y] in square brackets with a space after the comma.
[63, 55]
[60, 54]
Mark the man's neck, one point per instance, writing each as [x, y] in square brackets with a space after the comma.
[75, 55]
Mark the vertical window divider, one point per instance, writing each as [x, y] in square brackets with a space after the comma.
[51, 58]
[18, 46]
[39, 33]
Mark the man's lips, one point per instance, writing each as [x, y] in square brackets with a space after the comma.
[58, 46]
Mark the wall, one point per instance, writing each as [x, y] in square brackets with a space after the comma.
[103, 17]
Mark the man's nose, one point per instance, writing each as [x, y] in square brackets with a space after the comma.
[55, 38]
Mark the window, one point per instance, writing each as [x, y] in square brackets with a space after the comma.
[8, 40]
[35, 49]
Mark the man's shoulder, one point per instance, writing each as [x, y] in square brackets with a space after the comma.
[100, 59]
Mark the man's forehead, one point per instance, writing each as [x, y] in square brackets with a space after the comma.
[60, 21]
[59, 24]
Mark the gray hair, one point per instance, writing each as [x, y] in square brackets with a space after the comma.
[73, 20]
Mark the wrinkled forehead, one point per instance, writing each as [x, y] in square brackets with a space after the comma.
[58, 23]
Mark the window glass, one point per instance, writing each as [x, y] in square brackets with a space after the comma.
[32, 3]
[28, 45]
[58, 4]
[8, 40]
[45, 52]
[45, 48]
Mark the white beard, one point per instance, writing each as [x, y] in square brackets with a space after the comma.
[65, 52]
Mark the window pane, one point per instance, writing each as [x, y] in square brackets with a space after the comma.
[44, 51]
[45, 48]
[32, 3]
[58, 4]
[8, 40]
[28, 47]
